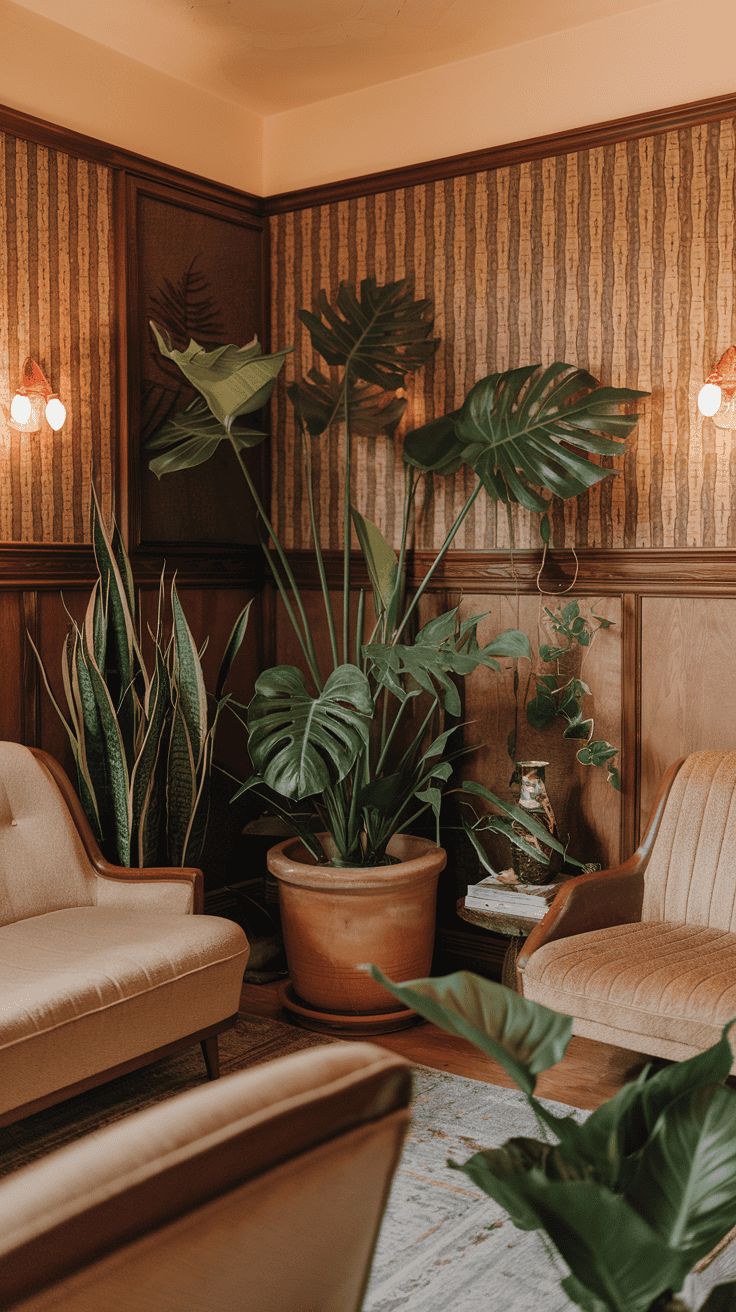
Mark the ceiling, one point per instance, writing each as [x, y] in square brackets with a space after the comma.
[273, 55]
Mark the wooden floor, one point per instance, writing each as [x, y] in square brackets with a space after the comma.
[589, 1073]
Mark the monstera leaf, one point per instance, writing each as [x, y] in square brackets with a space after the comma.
[515, 430]
[381, 335]
[320, 401]
[443, 648]
[301, 744]
[190, 436]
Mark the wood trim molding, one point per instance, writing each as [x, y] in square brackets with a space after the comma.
[516, 152]
[696, 571]
[57, 137]
[39, 566]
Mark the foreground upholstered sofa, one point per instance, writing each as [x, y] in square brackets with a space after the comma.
[263, 1191]
[102, 968]
[644, 955]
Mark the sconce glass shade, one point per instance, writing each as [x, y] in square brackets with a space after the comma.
[34, 400]
[55, 413]
[20, 409]
[717, 396]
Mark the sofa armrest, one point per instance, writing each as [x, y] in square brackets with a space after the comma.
[152, 888]
[165, 888]
[603, 898]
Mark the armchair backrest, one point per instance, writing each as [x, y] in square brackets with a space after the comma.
[264, 1190]
[43, 864]
[691, 875]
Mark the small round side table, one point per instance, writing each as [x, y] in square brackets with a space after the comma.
[515, 928]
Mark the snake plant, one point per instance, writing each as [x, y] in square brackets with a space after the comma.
[142, 730]
[632, 1197]
[360, 746]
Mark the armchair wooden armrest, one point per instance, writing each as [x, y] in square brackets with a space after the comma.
[605, 897]
[103, 868]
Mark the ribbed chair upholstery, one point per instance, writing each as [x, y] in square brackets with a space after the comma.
[645, 955]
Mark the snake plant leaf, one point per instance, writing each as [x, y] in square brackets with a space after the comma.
[302, 744]
[234, 380]
[196, 832]
[116, 593]
[443, 648]
[685, 1177]
[379, 335]
[146, 778]
[319, 401]
[521, 432]
[522, 1036]
[234, 643]
[192, 695]
[192, 435]
[181, 785]
[382, 563]
[90, 754]
[117, 765]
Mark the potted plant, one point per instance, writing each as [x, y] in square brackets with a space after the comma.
[354, 755]
[635, 1195]
[142, 731]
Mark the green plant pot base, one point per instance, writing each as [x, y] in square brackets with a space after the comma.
[344, 1022]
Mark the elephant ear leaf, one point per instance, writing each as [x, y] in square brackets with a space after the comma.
[189, 437]
[530, 429]
[382, 563]
[234, 380]
[381, 334]
[302, 744]
[523, 1037]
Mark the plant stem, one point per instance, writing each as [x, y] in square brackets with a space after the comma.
[451, 535]
[318, 550]
[347, 522]
[308, 644]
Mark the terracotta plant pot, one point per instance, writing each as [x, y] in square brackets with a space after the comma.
[334, 920]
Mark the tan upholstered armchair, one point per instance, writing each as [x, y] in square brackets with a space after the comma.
[263, 1191]
[644, 955]
[102, 968]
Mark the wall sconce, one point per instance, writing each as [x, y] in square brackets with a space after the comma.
[717, 396]
[33, 400]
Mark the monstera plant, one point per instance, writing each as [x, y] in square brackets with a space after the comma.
[352, 750]
[142, 731]
[634, 1196]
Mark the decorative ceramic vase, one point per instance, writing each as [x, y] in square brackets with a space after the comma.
[336, 920]
[533, 799]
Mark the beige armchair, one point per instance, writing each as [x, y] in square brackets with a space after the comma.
[102, 968]
[644, 955]
[263, 1191]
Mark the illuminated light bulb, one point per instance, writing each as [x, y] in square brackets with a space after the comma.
[20, 408]
[709, 399]
[55, 413]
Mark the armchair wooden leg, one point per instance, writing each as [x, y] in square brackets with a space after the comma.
[211, 1054]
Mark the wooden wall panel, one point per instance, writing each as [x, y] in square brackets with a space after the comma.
[617, 257]
[687, 664]
[11, 666]
[57, 289]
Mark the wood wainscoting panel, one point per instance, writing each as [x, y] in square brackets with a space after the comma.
[12, 673]
[687, 696]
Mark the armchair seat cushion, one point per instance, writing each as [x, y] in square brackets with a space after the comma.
[660, 987]
[85, 989]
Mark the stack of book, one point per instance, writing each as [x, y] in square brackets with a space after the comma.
[531, 901]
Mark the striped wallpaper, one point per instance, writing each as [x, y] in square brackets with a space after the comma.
[619, 258]
[56, 304]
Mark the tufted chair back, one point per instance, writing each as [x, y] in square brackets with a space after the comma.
[43, 865]
[691, 875]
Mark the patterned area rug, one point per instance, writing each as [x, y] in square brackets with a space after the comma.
[443, 1244]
